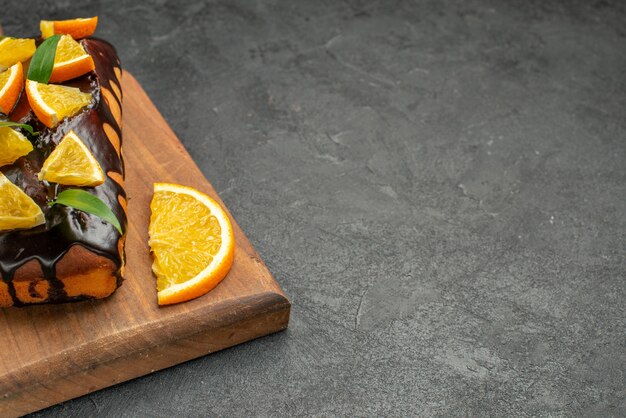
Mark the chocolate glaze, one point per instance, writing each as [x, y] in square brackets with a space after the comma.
[64, 226]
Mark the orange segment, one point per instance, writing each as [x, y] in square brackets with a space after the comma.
[11, 84]
[17, 209]
[13, 145]
[52, 103]
[192, 241]
[72, 164]
[70, 61]
[14, 50]
[76, 28]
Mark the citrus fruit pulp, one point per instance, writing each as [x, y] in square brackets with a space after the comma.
[77, 28]
[51, 103]
[70, 61]
[11, 85]
[192, 242]
[17, 209]
[14, 50]
[72, 164]
[13, 145]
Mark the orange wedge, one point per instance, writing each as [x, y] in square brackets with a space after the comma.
[76, 28]
[70, 61]
[13, 145]
[14, 50]
[52, 103]
[72, 164]
[192, 241]
[11, 84]
[17, 209]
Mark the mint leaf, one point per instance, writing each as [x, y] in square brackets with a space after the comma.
[27, 128]
[42, 61]
[85, 201]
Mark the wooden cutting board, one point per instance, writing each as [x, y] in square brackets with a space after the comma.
[52, 353]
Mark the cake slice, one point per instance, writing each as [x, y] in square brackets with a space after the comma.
[74, 255]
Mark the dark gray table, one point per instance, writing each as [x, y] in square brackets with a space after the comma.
[439, 186]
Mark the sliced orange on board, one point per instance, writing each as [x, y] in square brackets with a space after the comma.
[52, 103]
[192, 242]
[14, 50]
[72, 164]
[70, 61]
[11, 84]
[76, 28]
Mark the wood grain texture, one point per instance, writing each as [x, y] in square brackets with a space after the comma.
[52, 353]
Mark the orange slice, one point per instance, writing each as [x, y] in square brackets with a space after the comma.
[11, 84]
[52, 103]
[192, 242]
[13, 145]
[70, 61]
[76, 28]
[72, 164]
[14, 50]
[17, 209]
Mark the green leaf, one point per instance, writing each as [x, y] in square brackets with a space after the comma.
[42, 62]
[85, 201]
[27, 128]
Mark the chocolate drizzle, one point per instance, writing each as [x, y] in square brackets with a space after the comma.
[66, 227]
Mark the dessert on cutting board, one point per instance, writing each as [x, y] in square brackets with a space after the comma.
[63, 217]
[62, 199]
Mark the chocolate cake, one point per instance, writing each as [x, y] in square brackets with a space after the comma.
[74, 255]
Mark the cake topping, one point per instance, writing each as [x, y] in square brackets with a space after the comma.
[40, 66]
[24, 126]
[86, 202]
[17, 210]
[14, 50]
[70, 61]
[77, 28]
[13, 145]
[52, 103]
[71, 163]
[11, 86]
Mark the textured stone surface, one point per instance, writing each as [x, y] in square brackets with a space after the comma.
[439, 186]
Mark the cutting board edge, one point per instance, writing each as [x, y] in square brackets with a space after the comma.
[222, 315]
[37, 396]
